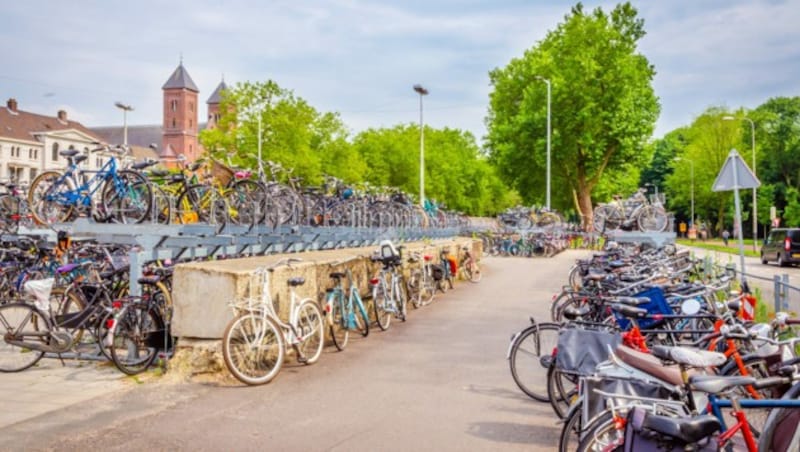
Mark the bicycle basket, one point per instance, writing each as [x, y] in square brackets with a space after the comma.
[657, 305]
[40, 289]
[222, 174]
[580, 351]
[595, 403]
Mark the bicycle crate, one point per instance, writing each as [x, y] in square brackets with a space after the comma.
[221, 173]
[657, 305]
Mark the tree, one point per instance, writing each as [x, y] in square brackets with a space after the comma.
[709, 140]
[603, 108]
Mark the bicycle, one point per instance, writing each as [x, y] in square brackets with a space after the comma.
[14, 210]
[388, 294]
[421, 282]
[255, 340]
[468, 267]
[345, 312]
[31, 330]
[446, 271]
[125, 195]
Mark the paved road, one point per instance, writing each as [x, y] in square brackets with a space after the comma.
[438, 382]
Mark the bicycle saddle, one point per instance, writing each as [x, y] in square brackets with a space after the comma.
[337, 275]
[649, 364]
[79, 158]
[714, 384]
[143, 165]
[632, 301]
[689, 430]
[69, 152]
[572, 313]
[159, 173]
[149, 280]
[690, 357]
[296, 281]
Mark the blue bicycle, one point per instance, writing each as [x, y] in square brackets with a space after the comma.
[345, 310]
[110, 195]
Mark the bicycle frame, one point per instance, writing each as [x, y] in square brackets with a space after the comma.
[80, 194]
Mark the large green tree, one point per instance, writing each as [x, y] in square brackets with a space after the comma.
[603, 108]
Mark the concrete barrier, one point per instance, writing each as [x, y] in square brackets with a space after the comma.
[203, 291]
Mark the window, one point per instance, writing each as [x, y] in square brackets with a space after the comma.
[33, 173]
[173, 123]
[191, 107]
[173, 105]
[55, 152]
[71, 147]
[190, 123]
[30, 153]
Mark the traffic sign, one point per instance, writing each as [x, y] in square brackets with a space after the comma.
[735, 174]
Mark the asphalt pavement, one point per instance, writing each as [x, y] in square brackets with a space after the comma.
[437, 382]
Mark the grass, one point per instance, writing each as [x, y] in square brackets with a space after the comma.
[718, 245]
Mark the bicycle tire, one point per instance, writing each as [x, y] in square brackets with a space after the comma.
[570, 432]
[246, 199]
[253, 364]
[474, 272]
[561, 390]
[135, 335]
[362, 317]
[401, 299]
[652, 219]
[782, 424]
[310, 328]
[27, 324]
[336, 323]
[525, 360]
[128, 198]
[382, 316]
[194, 204]
[53, 210]
[603, 432]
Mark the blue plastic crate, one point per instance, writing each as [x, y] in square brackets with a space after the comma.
[657, 305]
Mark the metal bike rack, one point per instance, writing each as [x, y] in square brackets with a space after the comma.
[151, 242]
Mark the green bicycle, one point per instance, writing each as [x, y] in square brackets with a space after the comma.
[345, 310]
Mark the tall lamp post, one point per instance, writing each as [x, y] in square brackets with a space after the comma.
[691, 170]
[547, 82]
[422, 92]
[753, 145]
[125, 109]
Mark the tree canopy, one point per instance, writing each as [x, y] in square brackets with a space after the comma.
[603, 109]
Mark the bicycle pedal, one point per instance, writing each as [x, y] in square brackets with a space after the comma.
[302, 359]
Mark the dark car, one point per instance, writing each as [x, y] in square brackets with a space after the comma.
[782, 246]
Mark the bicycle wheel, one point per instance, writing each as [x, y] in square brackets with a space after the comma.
[9, 206]
[472, 271]
[137, 335]
[379, 304]
[606, 435]
[570, 433]
[782, 431]
[336, 323]
[246, 202]
[562, 390]
[652, 219]
[20, 324]
[194, 204]
[531, 353]
[252, 348]
[309, 329]
[361, 317]
[401, 299]
[128, 197]
[48, 199]
[759, 368]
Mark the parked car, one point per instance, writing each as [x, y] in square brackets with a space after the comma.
[782, 246]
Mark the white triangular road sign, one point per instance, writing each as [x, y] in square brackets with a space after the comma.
[735, 174]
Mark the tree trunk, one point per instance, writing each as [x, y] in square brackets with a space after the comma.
[585, 204]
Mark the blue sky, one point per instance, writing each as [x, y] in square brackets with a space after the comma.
[361, 58]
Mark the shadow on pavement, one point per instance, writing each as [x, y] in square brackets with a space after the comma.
[509, 432]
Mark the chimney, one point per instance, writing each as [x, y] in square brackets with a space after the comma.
[12, 104]
[62, 115]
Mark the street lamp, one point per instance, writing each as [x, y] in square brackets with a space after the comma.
[422, 92]
[125, 109]
[753, 145]
[547, 82]
[691, 169]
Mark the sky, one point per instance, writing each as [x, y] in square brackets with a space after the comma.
[361, 58]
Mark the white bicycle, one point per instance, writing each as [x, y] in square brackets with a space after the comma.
[255, 341]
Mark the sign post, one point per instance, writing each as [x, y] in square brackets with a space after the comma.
[735, 175]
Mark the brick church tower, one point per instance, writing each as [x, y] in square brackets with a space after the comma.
[180, 116]
[213, 105]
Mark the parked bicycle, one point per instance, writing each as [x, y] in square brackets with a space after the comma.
[257, 339]
[344, 309]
